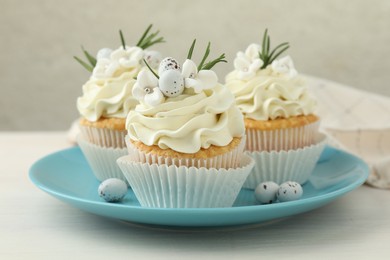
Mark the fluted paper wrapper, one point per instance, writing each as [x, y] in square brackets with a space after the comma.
[281, 139]
[103, 136]
[231, 159]
[292, 165]
[163, 186]
[102, 160]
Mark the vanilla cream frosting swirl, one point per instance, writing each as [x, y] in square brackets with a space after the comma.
[188, 122]
[108, 97]
[270, 95]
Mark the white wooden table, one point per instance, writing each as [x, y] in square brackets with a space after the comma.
[34, 225]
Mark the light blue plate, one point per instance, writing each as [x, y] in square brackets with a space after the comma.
[67, 176]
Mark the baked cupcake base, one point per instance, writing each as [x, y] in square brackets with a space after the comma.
[214, 157]
[170, 186]
[281, 134]
[102, 160]
[281, 166]
[105, 132]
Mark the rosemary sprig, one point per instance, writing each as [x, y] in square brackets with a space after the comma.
[84, 64]
[191, 50]
[148, 40]
[90, 59]
[144, 42]
[203, 65]
[122, 39]
[154, 73]
[265, 55]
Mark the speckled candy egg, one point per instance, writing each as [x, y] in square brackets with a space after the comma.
[171, 83]
[168, 64]
[112, 190]
[265, 192]
[289, 191]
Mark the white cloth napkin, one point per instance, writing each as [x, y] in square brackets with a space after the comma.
[359, 122]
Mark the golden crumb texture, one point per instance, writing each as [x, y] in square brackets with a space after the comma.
[113, 123]
[212, 151]
[280, 123]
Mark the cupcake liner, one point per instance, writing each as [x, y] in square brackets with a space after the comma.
[102, 160]
[231, 159]
[292, 165]
[103, 136]
[169, 186]
[281, 139]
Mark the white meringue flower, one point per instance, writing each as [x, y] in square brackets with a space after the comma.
[146, 88]
[130, 57]
[284, 65]
[204, 79]
[153, 58]
[249, 62]
[105, 68]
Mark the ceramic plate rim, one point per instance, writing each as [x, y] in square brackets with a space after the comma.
[324, 198]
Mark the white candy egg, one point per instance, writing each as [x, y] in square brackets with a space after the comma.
[112, 190]
[104, 53]
[289, 191]
[171, 83]
[265, 192]
[153, 58]
[168, 63]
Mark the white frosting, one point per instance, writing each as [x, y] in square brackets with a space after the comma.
[188, 122]
[108, 92]
[109, 97]
[270, 94]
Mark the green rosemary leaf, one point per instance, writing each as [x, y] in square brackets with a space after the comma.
[84, 64]
[212, 63]
[150, 43]
[277, 54]
[263, 51]
[144, 35]
[265, 55]
[89, 57]
[206, 54]
[154, 73]
[189, 56]
[122, 39]
[268, 43]
[276, 48]
[148, 38]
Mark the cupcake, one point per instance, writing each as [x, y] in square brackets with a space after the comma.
[279, 114]
[185, 138]
[107, 99]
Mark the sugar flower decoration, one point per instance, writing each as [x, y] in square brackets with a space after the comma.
[108, 61]
[198, 80]
[146, 88]
[285, 66]
[172, 79]
[248, 63]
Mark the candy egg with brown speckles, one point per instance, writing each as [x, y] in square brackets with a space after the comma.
[289, 191]
[265, 192]
[171, 83]
[168, 63]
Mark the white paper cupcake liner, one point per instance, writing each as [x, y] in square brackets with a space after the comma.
[231, 159]
[281, 139]
[163, 186]
[102, 160]
[104, 137]
[292, 165]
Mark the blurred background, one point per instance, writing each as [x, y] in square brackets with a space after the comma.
[343, 41]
